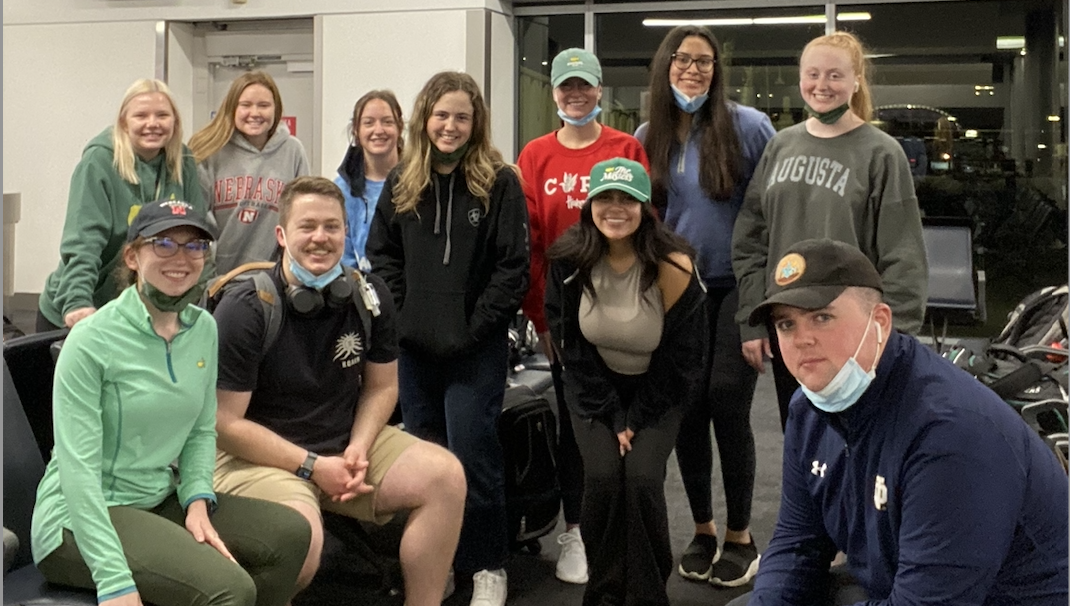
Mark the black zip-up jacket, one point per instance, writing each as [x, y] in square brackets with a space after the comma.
[457, 272]
[676, 376]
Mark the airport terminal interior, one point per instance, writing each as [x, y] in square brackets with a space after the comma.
[974, 90]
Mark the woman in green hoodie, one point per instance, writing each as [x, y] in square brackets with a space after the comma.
[138, 160]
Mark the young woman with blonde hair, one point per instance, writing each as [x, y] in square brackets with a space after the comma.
[450, 239]
[834, 176]
[244, 161]
[139, 159]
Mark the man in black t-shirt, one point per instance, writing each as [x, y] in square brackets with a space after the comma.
[304, 423]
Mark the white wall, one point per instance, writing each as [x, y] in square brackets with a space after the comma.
[62, 85]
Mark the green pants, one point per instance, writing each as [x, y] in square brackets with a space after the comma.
[170, 568]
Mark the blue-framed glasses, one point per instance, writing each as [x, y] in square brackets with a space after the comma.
[165, 247]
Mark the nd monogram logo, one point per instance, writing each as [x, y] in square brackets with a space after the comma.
[248, 215]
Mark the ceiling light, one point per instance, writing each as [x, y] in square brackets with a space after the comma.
[1010, 42]
[970, 134]
[794, 20]
[1054, 118]
[1041, 146]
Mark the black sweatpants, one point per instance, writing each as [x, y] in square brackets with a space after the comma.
[625, 522]
[729, 393]
[569, 461]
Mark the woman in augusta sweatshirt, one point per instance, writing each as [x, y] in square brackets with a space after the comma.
[138, 160]
[244, 160]
[450, 239]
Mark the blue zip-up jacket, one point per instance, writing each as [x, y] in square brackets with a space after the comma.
[935, 489]
[707, 224]
[361, 195]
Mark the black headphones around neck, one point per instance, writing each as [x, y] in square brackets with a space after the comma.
[305, 301]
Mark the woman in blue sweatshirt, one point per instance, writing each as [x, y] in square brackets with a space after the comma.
[703, 150]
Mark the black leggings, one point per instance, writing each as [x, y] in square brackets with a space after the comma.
[786, 383]
[727, 404]
[569, 461]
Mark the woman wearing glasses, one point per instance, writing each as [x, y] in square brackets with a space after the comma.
[135, 391]
[139, 159]
[703, 150]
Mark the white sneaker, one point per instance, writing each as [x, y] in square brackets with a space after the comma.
[572, 562]
[489, 588]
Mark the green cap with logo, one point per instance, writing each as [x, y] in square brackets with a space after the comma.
[575, 63]
[626, 175]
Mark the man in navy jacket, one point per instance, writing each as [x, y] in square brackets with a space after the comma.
[934, 488]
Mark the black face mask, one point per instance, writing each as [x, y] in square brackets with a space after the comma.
[829, 117]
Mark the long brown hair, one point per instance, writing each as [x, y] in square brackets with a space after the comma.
[861, 102]
[386, 96]
[216, 133]
[720, 152]
[480, 164]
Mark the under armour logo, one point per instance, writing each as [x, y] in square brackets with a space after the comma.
[880, 494]
[819, 468]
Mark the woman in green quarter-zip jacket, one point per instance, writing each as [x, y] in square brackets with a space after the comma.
[135, 390]
[138, 160]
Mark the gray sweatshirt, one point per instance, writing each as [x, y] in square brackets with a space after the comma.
[242, 185]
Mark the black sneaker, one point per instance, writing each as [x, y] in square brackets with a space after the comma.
[737, 565]
[697, 561]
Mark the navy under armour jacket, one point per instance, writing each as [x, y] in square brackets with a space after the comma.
[935, 489]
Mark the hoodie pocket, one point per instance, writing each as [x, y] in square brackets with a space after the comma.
[435, 323]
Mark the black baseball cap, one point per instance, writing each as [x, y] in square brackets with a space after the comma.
[162, 215]
[812, 273]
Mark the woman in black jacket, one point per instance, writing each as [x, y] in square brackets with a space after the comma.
[450, 239]
[627, 315]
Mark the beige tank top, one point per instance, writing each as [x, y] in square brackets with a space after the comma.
[622, 323]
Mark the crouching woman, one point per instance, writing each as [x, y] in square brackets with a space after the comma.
[627, 315]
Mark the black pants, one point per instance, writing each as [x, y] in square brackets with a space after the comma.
[727, 404]
[569, 461]
[786, 384]
[625, 522]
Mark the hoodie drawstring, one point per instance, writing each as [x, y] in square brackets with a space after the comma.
[449, 216]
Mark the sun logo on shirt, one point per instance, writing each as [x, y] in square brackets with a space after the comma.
[348, 349]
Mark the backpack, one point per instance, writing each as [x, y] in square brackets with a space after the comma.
[1041, 318]
[364, 296]
[527, 430]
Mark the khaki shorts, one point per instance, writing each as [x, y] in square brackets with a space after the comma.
[240, 477]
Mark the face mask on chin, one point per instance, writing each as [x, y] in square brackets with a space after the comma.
[689, 104]
[849, 383]
[580, 121]
[170, 303]
[308, 278]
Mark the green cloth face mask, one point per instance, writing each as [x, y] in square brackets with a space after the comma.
[829, 117]
[175, 303]
[451, 158]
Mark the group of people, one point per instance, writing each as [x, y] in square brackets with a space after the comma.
[661, 270]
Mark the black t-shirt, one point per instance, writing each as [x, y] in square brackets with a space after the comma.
[307, 386]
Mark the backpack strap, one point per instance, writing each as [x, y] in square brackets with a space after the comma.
[366, 300]
[219, 283]
[271, 303]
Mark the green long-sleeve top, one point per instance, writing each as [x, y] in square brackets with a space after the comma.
[100, 206]
[126, 403]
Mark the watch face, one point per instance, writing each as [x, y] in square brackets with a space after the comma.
[304, 473]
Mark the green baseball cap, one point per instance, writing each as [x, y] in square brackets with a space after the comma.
[578, 63]
[626, 175]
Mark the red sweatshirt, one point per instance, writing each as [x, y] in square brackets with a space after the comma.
[555, 185]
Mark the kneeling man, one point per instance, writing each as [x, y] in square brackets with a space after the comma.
[934, 488]
[303, 422]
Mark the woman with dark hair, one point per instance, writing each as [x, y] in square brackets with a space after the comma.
[703, 150]
[135, 390]
[450, 239]
[626, 313]
[375, 146]
[833, 176]
[244, 161]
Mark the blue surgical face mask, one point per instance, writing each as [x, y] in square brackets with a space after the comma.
[689, 104]
[849, 384]
[580, 121]
[308, 278]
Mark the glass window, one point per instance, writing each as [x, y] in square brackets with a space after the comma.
[976, 93]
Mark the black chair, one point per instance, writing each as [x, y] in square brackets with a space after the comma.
[30, 361]
[23, 469]
[956, 291]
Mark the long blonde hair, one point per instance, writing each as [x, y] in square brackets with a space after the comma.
[216, 133]
[861, 102]
[123, 150]
[480, 164]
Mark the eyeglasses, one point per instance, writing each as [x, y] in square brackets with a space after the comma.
[682, 61]
[166, 247]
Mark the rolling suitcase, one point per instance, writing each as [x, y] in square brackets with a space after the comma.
[527, 431]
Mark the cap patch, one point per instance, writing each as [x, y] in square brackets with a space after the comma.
[790, 269]
[177, 207]
[617, 173]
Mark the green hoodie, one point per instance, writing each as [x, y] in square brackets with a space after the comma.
[126, 404]
[99, 210]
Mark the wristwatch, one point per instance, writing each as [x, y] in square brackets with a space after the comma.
[305, 470]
